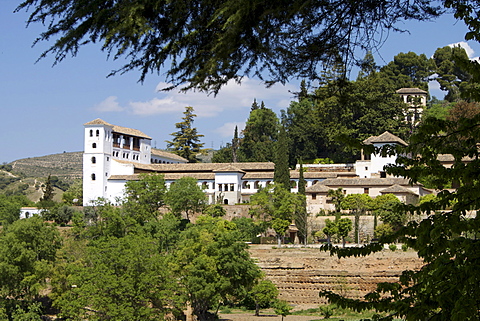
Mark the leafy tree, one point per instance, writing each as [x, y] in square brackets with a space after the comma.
[259, 136]
[185, 196]
[463, 109]
[248, 228]
[387, 208]
[277, 205]
[144, 197]
[121, 278]
[264, 293]
[215, 210]
[337, 197]
[27, 250]
[74, 194]
[437, 109]
[344, 227]
[330, 229]
[445, 288]
[359, 204]
[281, 173]
[274, 41]
[186, 141]
[9, 210]
[212, 266]
[282, 308]
[61, 214]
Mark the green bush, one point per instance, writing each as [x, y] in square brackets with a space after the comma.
[404, 247]
[392, 247]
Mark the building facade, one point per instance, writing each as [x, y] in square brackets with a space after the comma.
[114, 155]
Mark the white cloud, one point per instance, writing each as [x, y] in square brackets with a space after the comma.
[227, 129]
[110, 104]
[232, 96]
[155, 106]
[465, 46]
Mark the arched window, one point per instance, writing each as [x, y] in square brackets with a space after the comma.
[225, 201]
[94, 145]
[255, 185]
[91, 132]
[97, 133]
[94, 160]
[93, 177]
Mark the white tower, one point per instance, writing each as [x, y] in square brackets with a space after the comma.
[97, 158]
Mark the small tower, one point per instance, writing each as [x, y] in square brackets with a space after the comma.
[416, 99]
[97, 158]
[373, 165]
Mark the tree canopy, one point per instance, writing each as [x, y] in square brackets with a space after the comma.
[204, 44]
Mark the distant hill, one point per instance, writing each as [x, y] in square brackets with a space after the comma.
[28, 175]
[66, 166]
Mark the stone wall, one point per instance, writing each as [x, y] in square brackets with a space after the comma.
[300, 273]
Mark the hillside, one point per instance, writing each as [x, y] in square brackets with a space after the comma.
[28, 176]
[66, 166]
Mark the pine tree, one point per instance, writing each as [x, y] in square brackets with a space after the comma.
[186, 141]
[254, 105]
[282, 171]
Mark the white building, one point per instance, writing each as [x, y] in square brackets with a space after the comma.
[110, 149]
[114, 155]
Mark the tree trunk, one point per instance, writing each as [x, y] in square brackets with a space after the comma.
[257, 309]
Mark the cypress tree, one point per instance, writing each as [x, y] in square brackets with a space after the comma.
[301, 213]
[235, 146]
[282, 171]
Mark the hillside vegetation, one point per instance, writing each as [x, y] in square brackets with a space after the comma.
[28, 175]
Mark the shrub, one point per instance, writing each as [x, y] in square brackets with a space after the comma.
[392, 247]
[404, 247]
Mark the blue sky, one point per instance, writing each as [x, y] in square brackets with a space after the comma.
[43, 108]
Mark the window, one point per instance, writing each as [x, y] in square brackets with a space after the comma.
[231, 187]
[108, 158]
[97, 133]
[94, 160]
[93, 177]
[255, 185]
[366, 190]
[366, 168]
[383, 174]
[314, 196]
[94, 145]
[91, 132]
[225, 201]
[205, 185]
[220, 187]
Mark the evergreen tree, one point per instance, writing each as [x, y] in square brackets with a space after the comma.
[186, 141]
[254, 105]
[281, 173]
[301, 217]
[235, 142]
[259, 135]
[46, 200]
[450, 76]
